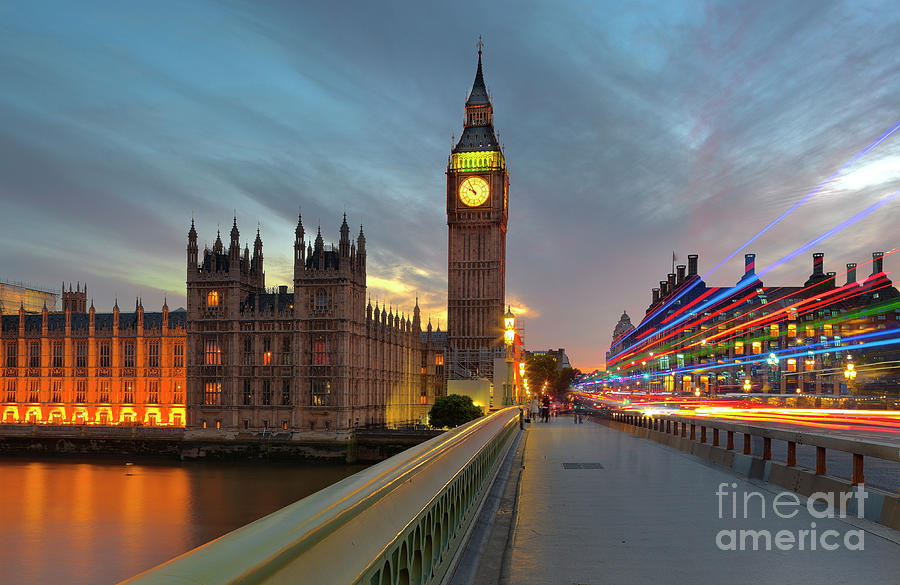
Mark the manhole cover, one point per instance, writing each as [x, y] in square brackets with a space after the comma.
[572, 465]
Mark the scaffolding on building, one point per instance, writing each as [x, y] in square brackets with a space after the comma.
[32, 298]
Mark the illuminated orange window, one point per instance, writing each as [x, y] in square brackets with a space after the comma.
[773, 330]
[792, 330]
[827, 329]
[810, 332]
[810, 365]
[792, 365]
[212, 394]
[757, 347]
[213, 353]
[212, 298]
[439, 359]
[738, 348]
[423, 399]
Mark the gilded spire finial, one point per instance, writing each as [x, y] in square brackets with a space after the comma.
[480, 45]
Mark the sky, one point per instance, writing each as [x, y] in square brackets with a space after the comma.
[631, 130]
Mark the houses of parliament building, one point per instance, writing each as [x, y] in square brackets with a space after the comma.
[242, 356]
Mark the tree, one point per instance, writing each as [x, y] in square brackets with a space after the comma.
[541, 368]
[452, 411]
[544, 367]
[564, 379]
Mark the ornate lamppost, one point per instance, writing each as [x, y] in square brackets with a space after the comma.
[772, 360]
[509, 338]
[850, 375]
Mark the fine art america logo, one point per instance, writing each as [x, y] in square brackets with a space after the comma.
[753, 508]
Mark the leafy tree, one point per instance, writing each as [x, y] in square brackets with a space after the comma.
[541, 368]
[564, 379]
[452, 411]
[544, 367]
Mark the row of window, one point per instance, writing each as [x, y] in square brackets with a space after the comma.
[57, 357]
[320, 395]
[104, 392]
[321, 350]
[321, 300]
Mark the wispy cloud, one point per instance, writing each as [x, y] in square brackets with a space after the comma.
[630, 130]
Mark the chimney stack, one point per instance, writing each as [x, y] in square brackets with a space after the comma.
[663, 288]
[692, 265]
[655, 296]
[749, 265]
[877, 263]
[818, 264]
[680, 272]
[671, 281]
[851, 273]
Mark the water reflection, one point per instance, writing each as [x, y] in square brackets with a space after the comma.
[101, 522]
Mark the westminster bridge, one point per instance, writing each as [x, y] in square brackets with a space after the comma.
[626, 497]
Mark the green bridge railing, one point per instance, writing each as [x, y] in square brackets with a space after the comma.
[400, 522]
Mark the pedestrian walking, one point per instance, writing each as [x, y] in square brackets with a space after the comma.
[535, 409]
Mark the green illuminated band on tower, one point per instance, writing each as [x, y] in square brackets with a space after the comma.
[477, 161]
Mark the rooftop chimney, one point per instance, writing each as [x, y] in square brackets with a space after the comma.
[749, 265]
[818, 264]
[671, 281]
[877, 263]
[692, 265]
[680, 272]
[655, 296]
[663, 288]
[851, 273]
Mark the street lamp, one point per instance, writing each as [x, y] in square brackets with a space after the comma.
[772, 360]
[509, 337]
[747, 385]
[850, 375]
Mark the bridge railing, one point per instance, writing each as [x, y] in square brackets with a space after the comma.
[697, 430]
[398, 522]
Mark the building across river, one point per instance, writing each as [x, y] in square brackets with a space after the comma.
[312, 355]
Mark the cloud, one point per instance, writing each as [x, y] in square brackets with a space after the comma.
[630, 130]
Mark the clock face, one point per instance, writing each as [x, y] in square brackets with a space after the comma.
[474, 191]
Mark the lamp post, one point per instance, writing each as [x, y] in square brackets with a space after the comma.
[772, 360]
[850, 375]
[509, 337]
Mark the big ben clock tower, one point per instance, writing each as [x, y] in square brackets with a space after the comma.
[477, 202]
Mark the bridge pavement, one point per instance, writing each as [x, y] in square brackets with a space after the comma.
[651, 515]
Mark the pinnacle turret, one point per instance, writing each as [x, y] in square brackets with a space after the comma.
[344, 244]
[320, 244]
[235, 247]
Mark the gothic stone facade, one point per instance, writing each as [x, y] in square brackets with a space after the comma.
[317, 357]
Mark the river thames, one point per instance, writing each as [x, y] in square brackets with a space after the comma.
[90, 522]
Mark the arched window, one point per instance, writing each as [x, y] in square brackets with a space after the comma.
[212, 298]
[321, 301]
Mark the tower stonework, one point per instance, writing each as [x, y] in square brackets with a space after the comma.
[477, 214]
